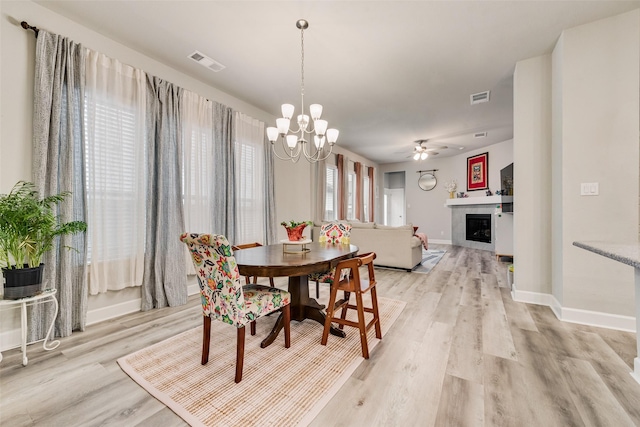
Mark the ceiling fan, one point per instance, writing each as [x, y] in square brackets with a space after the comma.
[421, 151]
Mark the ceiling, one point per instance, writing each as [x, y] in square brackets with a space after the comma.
[387, 72]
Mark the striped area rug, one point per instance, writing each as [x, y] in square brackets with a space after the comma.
[430, 258]
[279, 387]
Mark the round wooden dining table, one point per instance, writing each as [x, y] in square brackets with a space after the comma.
[273, 261]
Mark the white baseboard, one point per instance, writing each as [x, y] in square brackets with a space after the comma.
[440, 242]
[576, 315]
[11, 339]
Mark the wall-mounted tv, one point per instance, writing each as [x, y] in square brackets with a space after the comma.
[506, 186]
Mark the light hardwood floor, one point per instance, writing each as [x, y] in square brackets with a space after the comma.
[462, 353]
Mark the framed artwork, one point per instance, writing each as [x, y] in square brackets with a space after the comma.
[477, 172]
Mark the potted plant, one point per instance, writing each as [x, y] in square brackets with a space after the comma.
[295, 229]
[28, 228]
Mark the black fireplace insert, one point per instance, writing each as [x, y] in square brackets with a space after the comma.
[479, 227]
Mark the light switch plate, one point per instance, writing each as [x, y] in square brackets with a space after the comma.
[589, 189]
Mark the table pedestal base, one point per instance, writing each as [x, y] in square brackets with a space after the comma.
[302, 307]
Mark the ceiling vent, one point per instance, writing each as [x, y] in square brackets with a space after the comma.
[205, 61]
[480, 135]
[479, 98]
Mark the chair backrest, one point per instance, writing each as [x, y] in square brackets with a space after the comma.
[335, 233]
[220, 288]
[349, 281]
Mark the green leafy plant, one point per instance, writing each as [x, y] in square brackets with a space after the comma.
[293, 223]
[28, 226]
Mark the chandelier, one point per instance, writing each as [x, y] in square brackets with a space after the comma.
[294, 142]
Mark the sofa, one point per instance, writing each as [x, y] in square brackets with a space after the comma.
[395, 247]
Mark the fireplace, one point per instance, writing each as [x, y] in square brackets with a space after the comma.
[478, 227]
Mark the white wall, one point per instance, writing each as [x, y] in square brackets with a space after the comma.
[532, 174]
[577, 119]
[426, 209]
[600, 120]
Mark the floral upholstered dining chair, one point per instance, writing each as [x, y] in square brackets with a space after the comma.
[225, 299]
[335, 233]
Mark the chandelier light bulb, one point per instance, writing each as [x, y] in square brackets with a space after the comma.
[321, 127]
[303, 121]
[272, 134]
[424, 155]
[316, 111]
[332, 135]
[283, 126]
[292, 140]
[416, 156]
[318, 141]
[287, 111]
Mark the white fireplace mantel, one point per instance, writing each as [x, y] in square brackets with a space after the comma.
[487, 200]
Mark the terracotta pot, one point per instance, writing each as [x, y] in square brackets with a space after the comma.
[295, 233]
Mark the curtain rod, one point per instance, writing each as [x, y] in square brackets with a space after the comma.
[430, 170]
[29, 27]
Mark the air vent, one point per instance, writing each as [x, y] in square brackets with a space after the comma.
[479, 98]
[480, 135]
[205, 61]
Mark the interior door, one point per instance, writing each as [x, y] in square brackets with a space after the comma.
[394, 206]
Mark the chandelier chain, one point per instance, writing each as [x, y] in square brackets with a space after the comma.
[302, 67]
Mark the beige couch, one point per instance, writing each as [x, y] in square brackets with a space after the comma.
[394, 246]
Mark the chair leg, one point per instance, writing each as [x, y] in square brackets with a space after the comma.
[206, 338]
[317, 289]
[286, 311]
[345, 307]
[376, 315]
[361, 326]
[271, 282]
[253, 327]
[330, 310]
[240, 354]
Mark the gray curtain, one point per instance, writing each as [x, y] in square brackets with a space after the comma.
[224, 166]
[270, 194]
[164, 282]
[58, 166]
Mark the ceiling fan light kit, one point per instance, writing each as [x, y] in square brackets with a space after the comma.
[294, 143]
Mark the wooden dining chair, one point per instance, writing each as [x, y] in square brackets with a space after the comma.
[354, 284]
[224, 298]
[335, 233]
[247, 246]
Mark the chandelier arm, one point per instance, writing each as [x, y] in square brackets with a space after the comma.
[316, 156]
[293, 158]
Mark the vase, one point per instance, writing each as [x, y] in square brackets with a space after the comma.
[452, 194]
[295, 233]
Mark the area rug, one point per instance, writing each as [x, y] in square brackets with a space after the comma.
[430, 258]
[279, 387]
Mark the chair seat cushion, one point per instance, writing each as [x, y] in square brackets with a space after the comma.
[260, 300]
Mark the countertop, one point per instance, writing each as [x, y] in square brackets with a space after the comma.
[624, 252]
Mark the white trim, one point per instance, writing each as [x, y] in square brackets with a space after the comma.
[440, 242]
[112, 311]
[576, 315]
[596, 318]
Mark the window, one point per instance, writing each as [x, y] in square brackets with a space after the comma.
[365, 201]
[114, 118]
[331, 194]
[249, 175]
[351, 195]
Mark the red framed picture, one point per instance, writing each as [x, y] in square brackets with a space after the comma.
[477, 172]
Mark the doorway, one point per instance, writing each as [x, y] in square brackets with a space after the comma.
[394, 199]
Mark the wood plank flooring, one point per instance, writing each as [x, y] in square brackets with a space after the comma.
[462, 353]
